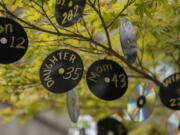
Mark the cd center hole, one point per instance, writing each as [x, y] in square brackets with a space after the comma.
[3, 40]
[61, 71]
[70, 4]
[141, 101]
[110, 133]
[107, 80]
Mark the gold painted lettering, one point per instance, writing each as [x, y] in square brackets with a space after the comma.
[99, 69]
[47, 78]
[65, 55]
[10, 28]
[72, 58]
[107, 67]
[1, 29]
[64, 18]
[53, 60]
[50, 83]
[115, 80]
[20, 45]
[12, 42]
[70, 15]
[172, 102]
[47, 72]
[177, 77]
[76, 74]
[123, 80]
[76, 10]
[173, 78]
[60, 56]
[69, 73]
[60, 2]
[93, 76]
[49, 66]
[167, 82]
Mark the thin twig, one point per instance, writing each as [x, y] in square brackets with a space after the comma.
[103, 22]
[120, 13]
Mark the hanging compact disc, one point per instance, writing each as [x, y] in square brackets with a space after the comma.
[61, 71]
[110, 126]
[68, 12]
[170, 92]
[73, 104]
[128, 41]
[173, 125]
[107, 80]
[13, 41]
[141, 102]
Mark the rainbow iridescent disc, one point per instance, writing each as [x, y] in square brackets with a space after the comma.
[173, 125]
[141, 102]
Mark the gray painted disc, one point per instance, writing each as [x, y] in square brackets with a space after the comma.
[73, 105]
[128, 41]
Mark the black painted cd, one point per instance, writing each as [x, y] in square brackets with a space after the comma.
[128, 41]
[13, 41]
[73, 105]
[170, 92]
[68, 12]
[107, 80]
[110, 126]
[61, 71]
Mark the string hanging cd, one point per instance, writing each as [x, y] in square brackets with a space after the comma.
[128, 41]
[141, 102]
[73, 104]
[170, 92]
[110, 126]
[61, 71]
[68, 12]
[173, 125]
[107, 80]
[13, 41]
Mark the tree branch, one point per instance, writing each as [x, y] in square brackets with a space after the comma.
[102, 20]
[111, 51]
[129, 2]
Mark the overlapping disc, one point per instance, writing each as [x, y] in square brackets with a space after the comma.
[13, 41]
[61, 71]
[170, 92]
[73, 104]
[110, 126]
[68, 12]
[107, 80]
[141, 102]
[128, 41]
[173, 125]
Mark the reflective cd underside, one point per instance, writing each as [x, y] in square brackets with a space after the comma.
[128, 41]
[13, 41]
[73, 104]
[68, 12]
[107, 80]
[170, 91]
[141, 102]
[61, 71]
[173, 125]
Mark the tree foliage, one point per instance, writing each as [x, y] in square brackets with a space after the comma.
[95, 36]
